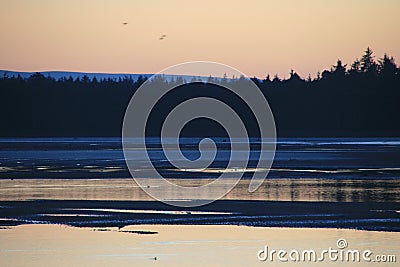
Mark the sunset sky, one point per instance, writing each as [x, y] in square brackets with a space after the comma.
[255, 36]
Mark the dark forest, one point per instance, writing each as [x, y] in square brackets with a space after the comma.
[361, 99]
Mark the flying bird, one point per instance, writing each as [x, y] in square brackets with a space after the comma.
[162, 37]
[124, 23]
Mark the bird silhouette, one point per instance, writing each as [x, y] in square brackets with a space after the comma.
[124, 23]
[162, 37]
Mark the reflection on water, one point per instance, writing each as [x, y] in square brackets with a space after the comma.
[295, 189]
[332, 170]
[327, 169]
[56, 245]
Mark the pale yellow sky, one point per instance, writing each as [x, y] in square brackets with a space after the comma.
[255, 36]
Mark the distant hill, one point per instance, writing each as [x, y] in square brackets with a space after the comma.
[66, 74]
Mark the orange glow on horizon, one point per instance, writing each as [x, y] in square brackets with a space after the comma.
[256, 37]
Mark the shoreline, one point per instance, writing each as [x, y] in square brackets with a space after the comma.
[372, 216]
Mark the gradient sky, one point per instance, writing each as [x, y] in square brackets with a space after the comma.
[255, 36]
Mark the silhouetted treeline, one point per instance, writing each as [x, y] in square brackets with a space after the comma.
[359, 100]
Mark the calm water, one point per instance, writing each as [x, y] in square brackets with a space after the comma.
[282, 189]
[304, 169]
[56, 245]
[325, 172]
